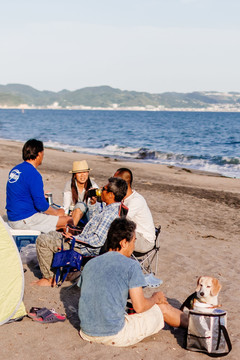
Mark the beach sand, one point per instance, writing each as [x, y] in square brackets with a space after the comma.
[199, 215]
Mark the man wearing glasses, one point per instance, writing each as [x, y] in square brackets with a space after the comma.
[94, 233]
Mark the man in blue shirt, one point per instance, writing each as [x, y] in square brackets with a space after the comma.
[105, 284]
[26, 205]
[94, 233]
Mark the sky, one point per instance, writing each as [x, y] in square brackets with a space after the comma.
[153, 46]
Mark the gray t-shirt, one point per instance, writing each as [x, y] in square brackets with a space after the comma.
[104, 283]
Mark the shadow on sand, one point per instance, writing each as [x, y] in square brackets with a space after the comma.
[179, 333]
[70, 298]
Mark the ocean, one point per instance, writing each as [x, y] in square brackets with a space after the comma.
[196, 140]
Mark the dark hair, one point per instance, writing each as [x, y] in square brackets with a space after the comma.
[31, 149]
[87, 186]
[118, 187]
[121, 228]
[126, 173]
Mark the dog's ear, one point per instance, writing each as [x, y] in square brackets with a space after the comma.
[198, 284]
[216, 287]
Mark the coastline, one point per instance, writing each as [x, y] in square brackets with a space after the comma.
[123, 159]
[214, 108]
[199, 215]
[173, 138]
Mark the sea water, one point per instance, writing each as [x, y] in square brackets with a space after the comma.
[207, 141]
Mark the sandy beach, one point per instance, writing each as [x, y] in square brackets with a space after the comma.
[199, 215]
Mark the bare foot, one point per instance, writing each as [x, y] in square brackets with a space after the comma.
[45, 282]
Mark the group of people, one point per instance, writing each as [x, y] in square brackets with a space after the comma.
[107, 281]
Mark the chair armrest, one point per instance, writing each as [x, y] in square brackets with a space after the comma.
[79, 242]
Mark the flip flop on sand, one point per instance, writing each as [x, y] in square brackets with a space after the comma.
[45, 316]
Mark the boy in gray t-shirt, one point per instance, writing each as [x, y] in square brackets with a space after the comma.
[107, 281]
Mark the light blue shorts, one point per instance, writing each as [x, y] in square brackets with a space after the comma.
[82, 206]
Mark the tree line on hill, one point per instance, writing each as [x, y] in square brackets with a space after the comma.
[105, 96]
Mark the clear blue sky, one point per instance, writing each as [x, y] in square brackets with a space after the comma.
[142, 45]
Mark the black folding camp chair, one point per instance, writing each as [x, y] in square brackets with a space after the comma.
[63, 271]
[146, 259]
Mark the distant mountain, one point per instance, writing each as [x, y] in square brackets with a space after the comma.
[107, 97]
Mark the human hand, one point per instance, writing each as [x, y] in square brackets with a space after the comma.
[160, 298]
[67, 235]
[93, 200]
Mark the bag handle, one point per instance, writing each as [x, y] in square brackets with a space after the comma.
[227, 338]
[62, 244]
[223, 329]
[73, 242]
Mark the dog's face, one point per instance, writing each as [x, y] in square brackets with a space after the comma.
[207, 287]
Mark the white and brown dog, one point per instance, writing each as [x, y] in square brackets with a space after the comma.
[206, 292]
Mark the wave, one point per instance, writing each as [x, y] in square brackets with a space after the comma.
[226, 166]
[223, 165]
[185, 139]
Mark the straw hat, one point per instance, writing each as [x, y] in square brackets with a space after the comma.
[79, 166]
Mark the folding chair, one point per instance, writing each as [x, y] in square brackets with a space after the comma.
[146, 261]
[85, 258]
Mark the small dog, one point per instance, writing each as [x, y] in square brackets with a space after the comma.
[206, 292]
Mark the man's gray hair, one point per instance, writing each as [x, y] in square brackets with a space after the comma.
[118, 187]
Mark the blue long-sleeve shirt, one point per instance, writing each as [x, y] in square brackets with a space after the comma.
[25, 194]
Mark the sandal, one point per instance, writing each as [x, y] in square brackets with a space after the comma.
[152, 281]
[45, 316]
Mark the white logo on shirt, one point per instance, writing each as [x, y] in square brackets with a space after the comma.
[14, 176]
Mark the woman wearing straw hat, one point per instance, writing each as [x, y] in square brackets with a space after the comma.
[75, 191]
